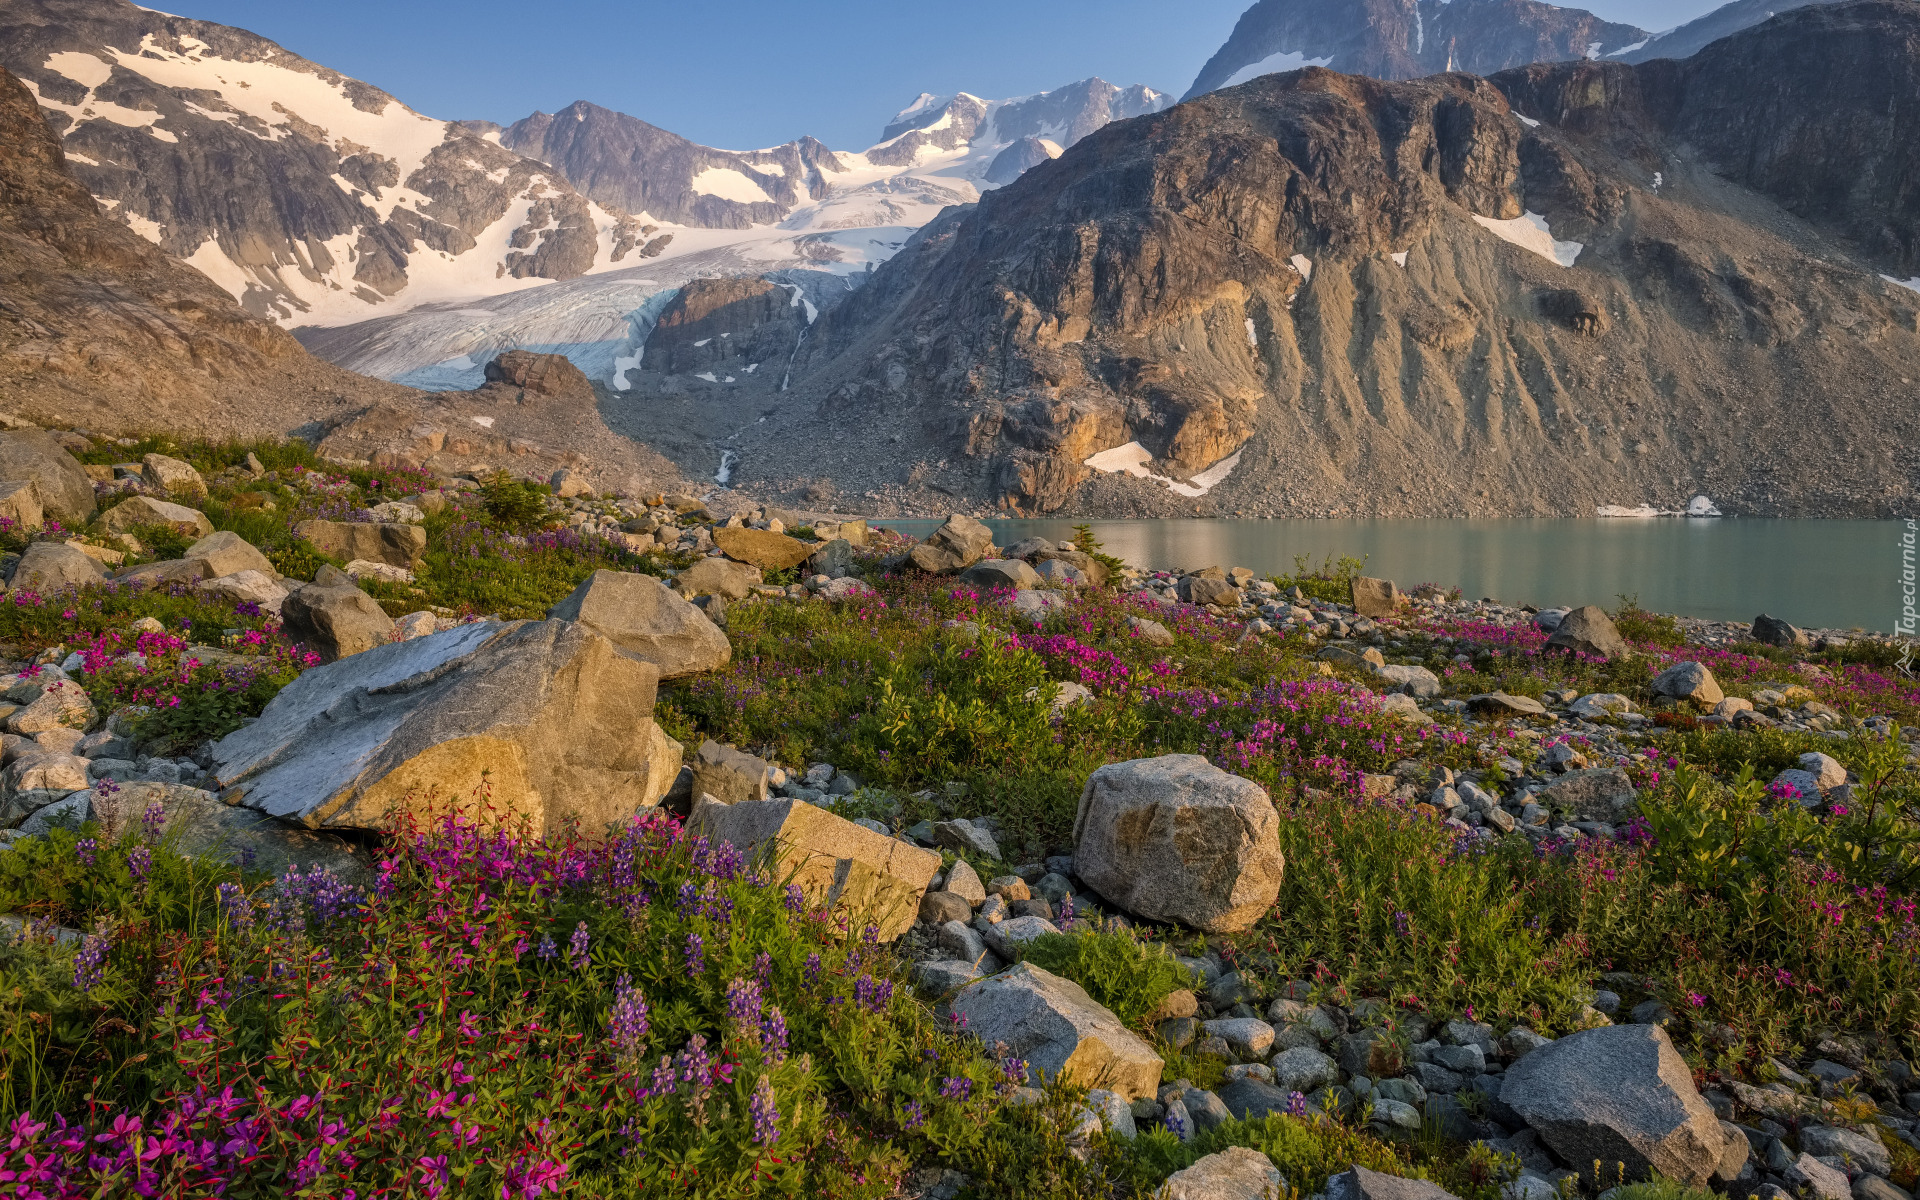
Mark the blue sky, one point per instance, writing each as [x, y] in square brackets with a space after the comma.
[748, 73]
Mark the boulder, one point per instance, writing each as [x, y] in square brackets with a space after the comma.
[1208, 590]
[955, 546]
[716, 577]
[1815, 1180]
[335, 620]
[1417, 682]
[37, 780]
[169, 476]
[46, 702]
[1500, 704]
[1863, 1151]
[1358, 1183]
[20, 504]
[568, 484]
[1303, 1069]
[201, 826]
[170, 570]
[1151, 632]
[646, 620]
[834, 559]
[1594, 794]
[1588, 630]
[937, 908]
[255, 587]
[1059, 1030]
[962, 834]
[761, 548]
[227, 553]
[70, 812]
[964, 882]
[1772, 631]
[47, 567]
[992, 573]
[1374, 597]
[1828, 772]
[1618, 1094]
[392, 542]
[60, 482]
[1250, 1099]
[1009, 938]
[870, 878]
[728, 775]
[1235, 1173]
[136, 511]
[548, 715]
[1687, 681]
[1175, 838]
[401, 510]
[1600, 705]
[1247, 1037]
[1056, 573]
[538, 377]
[944, 975]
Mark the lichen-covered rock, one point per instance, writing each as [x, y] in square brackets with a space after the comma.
[171, 476]
[1618, 1094]
[1175, 838]
[227, 553]
[1687, 681]
[1594, 794]
[716, 577]
[146, 510]
[1235, 1173]
[547, 714]
[1374, 597]
[1059, 1030]
[870, 878]
[49, 566]
[335, 619]
[959, 543]
[1590, 631]
[60, 482]
[392, 542]
[647, 620]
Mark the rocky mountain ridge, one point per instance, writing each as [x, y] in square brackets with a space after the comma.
[1568, 286]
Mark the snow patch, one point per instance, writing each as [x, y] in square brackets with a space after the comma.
[1253, 335]
[1657, 181]
[1593, 50]
[1132, 459]
[1700, 506]
[1286, 60]
[708, 376]
[703, 341]
[1399, 259]
[1304, 265]
[1911, 284]
[799, 298]
[81, 158]
[484, 422]
[1628, 49]
[1529, 122]
[1529, 232]
[87, 70]
[730, 184]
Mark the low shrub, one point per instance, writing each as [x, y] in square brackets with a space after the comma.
[1116, 967]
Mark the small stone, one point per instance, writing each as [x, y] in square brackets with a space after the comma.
[1249, 1037]
[1303, 1069]
[938, 908]
[964, 835]
[1007, 938]
[1503, 704]
[964, 882]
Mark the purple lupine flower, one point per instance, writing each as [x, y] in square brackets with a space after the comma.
[1013, 1073]
[1176, 1126]
[810, 974]
[696, 954]
[139, 862]
[795, 900]
[577, 947]
[956, 1087]
[773, 1035]
[628, 1024]
[914, 1116]
[872, 994]
[90, 965]
[743, 1003]
[154, 820]
[761, 1108]
[235, 908]
[688, 902]
[547, 949]
[86, 848]
[1296, 1104]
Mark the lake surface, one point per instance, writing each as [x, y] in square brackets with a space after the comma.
[1817, 574]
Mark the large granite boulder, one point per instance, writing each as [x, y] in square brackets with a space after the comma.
[1358, 1183]
[49, 566]
[955, 546]
[1590, 631]
[762, 548]
[395, 543]
[1236, 1173]
[1175, 838]
[45, 700]
[717, 577]
[61, 483]
[227, 553]
[871, 878]
[646, 620]
[547, 714]
[171, 476]
[1688, 681]
[1772, 631]
[136, 511]
[1374, 597]
[1059, 1030]
[1594, 794]
[334, 618]
[1204, 589]
[728, 774]
[1618, 1094]
[253, 587]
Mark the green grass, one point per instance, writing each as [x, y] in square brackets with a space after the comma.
[1127, 975]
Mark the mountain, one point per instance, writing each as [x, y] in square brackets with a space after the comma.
[1696, 34]
[626, 163]
[1407, 39]
[309, 196]
[1572, 285]
[98, 326]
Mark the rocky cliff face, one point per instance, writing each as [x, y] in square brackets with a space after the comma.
[725, 327]
[1320, 293]
[1695, 35]
[307, 195]
[1407, 39]
[630, 165]
[99, 326]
